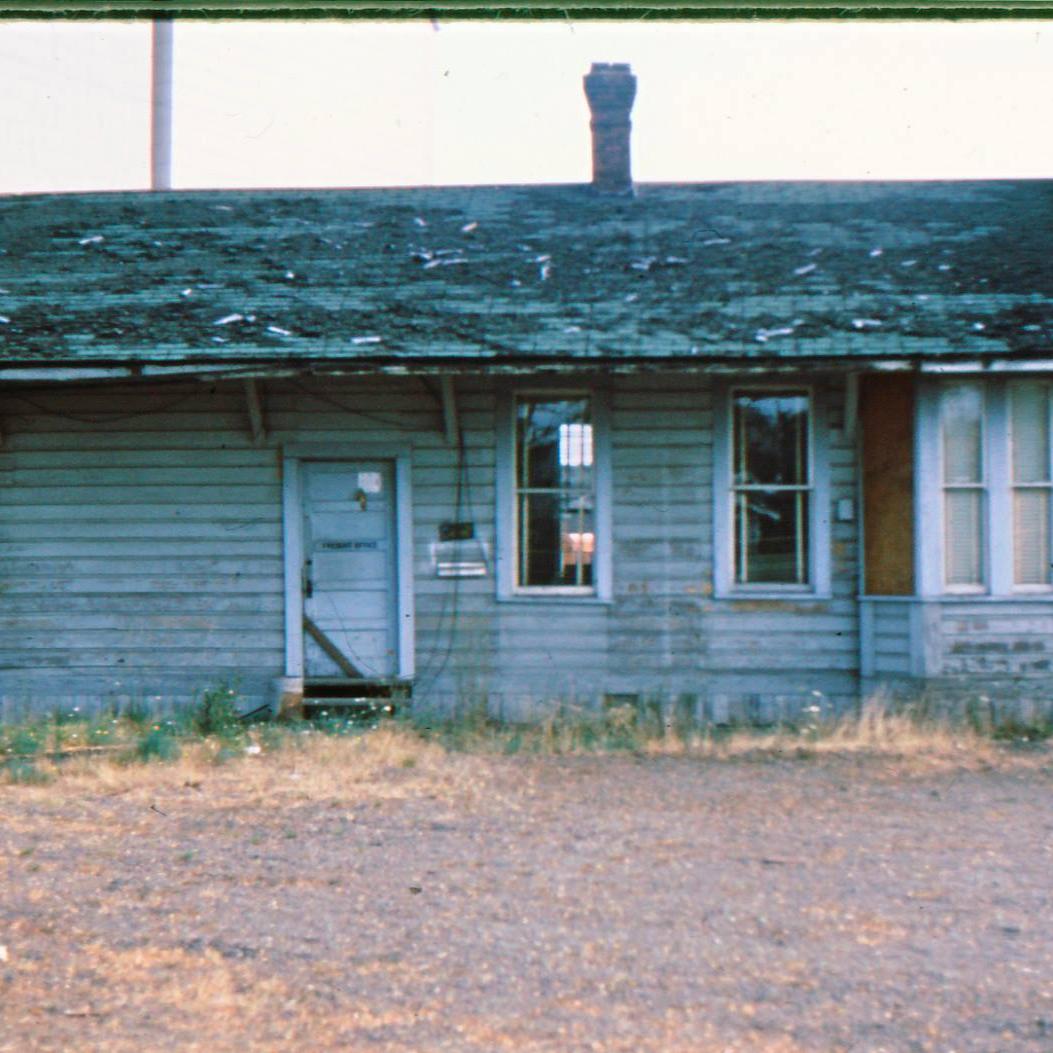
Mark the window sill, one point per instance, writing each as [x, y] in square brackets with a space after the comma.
[559, 599]
[987, 597]
[1045, 596]
[788, 595]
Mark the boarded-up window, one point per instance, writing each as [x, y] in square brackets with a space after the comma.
[886, 419]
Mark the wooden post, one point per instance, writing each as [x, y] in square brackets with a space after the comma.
[450, 423]
[851, 405]
[255, 407]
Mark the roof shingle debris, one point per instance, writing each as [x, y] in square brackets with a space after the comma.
[753, 271]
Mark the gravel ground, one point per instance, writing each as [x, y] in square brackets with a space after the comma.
[563, 904]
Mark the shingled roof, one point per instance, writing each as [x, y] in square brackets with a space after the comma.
[524, 276]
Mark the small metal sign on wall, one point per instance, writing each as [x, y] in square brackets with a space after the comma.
[459, 553]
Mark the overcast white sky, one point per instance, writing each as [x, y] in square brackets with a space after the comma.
[361, 104]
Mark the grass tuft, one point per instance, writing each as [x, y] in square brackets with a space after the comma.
[158, 744]
[23, 771]
[216, 712]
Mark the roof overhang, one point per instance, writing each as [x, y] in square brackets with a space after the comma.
[70, 373]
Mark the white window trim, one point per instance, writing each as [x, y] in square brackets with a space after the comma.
[505, 491]
[998, 571]
[724, 585]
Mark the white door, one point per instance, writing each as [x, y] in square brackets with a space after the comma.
[350, 585]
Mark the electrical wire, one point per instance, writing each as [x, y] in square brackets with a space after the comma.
[386, 421]
[430, 675]
[108, 418]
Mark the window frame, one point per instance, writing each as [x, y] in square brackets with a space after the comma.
[506, 493]
[998, 521]
[1046, 487]
[818, 587]
[982, 487]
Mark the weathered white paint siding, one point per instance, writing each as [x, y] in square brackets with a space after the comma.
[887, 628]
[997, 639]
[141, 559]
[137, 557]
[141, 553]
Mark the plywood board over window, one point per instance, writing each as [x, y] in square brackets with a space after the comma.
[886, 417]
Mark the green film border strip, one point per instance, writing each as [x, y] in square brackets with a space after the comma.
[537, 9]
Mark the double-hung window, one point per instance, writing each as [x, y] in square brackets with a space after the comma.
[555, 539]
[1029, 418]
[996, 475]
[962, 426]
[771, 528]
[772, 487]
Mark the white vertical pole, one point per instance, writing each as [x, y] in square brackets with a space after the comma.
[161, 106]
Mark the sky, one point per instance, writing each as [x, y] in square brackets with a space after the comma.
[288, 104]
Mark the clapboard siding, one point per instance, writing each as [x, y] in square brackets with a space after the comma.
[141, 556]
[172, 558]
[891, 638]
[660, 453]
[1001, 639]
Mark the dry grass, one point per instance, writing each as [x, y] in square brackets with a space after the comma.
[395, 758]
[877, 730]
[388, 761]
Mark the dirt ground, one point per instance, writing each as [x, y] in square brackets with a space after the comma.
[429, 902]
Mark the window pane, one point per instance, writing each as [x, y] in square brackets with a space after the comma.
[577, 541]
[963, 537]
[557, 539]
[1031, 537]
[771, 438]
[771, 537]
[1030, 434]
[961, 409]
[553, 443]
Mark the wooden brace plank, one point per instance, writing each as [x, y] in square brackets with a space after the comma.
[255, 406]
[450, 423]
[331, 650]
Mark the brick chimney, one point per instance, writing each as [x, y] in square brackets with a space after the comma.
[610, 88]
